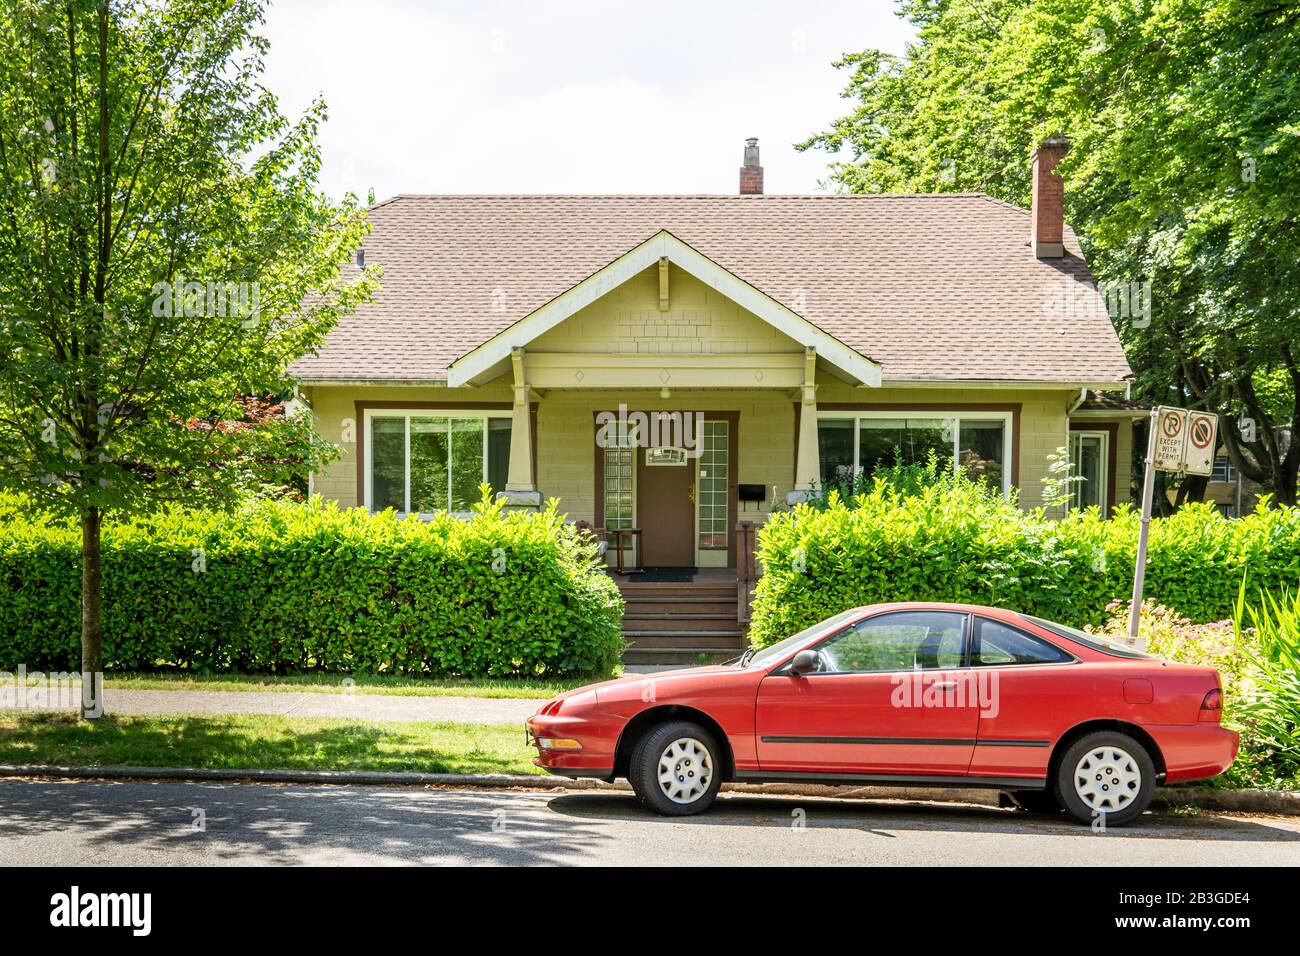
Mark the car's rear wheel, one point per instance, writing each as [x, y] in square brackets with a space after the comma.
[1106, 775]
[676, 769]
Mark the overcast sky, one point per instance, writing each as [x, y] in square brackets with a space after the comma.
[568, 96]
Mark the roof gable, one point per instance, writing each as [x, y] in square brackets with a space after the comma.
[491, 359]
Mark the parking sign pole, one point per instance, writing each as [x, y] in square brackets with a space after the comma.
[1140, 565]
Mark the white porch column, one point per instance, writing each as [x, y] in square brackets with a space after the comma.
[520, 490]
[806, 470]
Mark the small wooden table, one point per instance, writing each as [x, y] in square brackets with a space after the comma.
[635, 535]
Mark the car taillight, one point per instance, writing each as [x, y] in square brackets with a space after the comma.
[1212, 706]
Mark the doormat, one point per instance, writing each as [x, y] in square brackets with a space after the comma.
[668, 575]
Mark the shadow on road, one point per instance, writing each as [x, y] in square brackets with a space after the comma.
[879, 817]
[283, 825]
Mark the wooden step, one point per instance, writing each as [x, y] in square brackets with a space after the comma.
[683, 656]
[679, 609]
[683, 590]
[689, 640]
[675, 622]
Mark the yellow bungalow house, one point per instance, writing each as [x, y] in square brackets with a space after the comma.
[672, 367]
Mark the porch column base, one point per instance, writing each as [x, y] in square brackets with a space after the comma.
[520, 499]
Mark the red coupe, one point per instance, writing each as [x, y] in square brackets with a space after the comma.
[905, 694]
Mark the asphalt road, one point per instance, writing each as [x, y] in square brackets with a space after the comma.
[80, 823]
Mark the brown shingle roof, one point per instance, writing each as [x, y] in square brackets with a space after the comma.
[1110, 402]
[935, 287]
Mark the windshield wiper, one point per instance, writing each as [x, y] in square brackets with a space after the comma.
[744, 658]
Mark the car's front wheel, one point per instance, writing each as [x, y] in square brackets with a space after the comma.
[1106, 775]
[675, 769]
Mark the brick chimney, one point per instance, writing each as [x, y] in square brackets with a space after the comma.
[1047, 212]
[751, 174]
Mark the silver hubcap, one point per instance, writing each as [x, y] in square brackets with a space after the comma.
[1107, 779]
[685, 769]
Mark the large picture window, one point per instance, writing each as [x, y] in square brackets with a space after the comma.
[858, 443]
[426, 461]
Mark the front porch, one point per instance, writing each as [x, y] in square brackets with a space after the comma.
[685, 616]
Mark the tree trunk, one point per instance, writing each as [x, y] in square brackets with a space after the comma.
[92, 654]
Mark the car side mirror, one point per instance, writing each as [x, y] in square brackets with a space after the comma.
[805, 662]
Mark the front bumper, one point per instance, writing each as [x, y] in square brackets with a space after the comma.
[597, 734]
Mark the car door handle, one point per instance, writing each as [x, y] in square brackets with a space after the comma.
[945, 685]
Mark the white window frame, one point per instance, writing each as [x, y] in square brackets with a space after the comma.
[1075, 504]
[957, 414]
[407, 414]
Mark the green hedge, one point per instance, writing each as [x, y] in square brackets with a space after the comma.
[955, 542]
[289, 587]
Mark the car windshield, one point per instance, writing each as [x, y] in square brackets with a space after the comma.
[775, 652]
[1095, 641]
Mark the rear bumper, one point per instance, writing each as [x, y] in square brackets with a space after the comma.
[1194, 751]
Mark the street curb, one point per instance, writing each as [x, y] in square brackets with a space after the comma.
[1239, 801]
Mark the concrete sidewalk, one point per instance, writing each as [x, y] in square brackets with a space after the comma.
[469, 710]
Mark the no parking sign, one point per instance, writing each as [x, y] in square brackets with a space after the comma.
[1202, 430]
[1184, 441]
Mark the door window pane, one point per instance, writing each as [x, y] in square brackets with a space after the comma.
[980, 451]
[1088, 464]
[619, 459]
[996, 643]
[908, 640]
[713, 485]
[388, 468]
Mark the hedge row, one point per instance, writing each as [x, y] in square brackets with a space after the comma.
[954, 542]
[282, 587]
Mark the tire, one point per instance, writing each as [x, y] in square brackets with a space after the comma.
[688, 759]
[1036, 801]
[1105, 775]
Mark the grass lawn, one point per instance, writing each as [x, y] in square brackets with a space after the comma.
[364, 684]
[256, 741]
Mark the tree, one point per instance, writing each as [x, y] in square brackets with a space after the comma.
[164, 253]
[1182, 170]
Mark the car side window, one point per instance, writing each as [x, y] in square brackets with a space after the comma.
[901, 641]
[995, 643]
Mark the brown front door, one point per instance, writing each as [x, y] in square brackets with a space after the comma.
[666, 513]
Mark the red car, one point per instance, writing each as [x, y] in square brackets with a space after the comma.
[905, 694]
